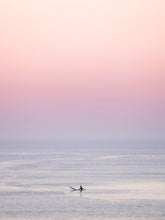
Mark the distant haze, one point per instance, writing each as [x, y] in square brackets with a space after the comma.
[82, 69]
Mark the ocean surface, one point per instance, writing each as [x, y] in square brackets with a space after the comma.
[124, 180]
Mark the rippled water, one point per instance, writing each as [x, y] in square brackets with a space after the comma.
[124, 180]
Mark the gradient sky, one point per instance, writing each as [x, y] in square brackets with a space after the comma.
[82, 69]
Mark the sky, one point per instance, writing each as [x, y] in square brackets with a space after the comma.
[82, 69]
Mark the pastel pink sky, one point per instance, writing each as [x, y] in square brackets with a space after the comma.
[82, 69]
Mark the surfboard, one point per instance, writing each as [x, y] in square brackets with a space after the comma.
[74, 189]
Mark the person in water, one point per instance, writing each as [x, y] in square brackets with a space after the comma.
[81, 188]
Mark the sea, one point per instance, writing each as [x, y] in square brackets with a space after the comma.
[124, 180]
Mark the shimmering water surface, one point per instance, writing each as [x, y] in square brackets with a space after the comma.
[123, 180]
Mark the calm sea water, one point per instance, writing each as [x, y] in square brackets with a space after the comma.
[123, 180]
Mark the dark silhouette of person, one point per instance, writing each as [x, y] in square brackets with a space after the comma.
[81, 188]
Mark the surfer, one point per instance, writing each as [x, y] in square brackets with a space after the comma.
[79, 189]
